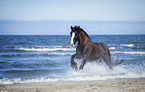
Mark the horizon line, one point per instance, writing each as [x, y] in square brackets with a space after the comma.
[77, 20]
[58, 35]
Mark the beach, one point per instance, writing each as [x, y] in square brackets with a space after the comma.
[116, 85]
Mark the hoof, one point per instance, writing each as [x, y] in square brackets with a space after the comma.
[74, 66]
[80, 71]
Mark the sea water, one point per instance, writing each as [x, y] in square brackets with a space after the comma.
[46, 58]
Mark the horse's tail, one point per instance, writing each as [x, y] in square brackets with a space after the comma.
[107, 56]
[106, 49]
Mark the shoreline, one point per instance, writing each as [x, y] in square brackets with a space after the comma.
[115, 85]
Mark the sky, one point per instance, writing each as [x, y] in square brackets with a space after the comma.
[35, 10]
[70, 10]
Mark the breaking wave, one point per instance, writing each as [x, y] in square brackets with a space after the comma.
[45, 49]
[91, 72]
[60, 54]
[127, 45]
[50, 49]
[134, 53]
[116, 52]
[112, 48]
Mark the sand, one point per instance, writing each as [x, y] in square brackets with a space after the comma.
[116, 85]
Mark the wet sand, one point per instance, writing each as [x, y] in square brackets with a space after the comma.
[116, 85]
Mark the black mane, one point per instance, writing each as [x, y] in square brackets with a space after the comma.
[80, 29]
[85, 33]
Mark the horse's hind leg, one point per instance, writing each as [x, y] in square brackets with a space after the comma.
[107, 59]
[73, 64]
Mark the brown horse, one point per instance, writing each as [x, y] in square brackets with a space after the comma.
[87, 49]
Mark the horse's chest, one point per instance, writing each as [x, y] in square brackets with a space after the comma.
[80, 51]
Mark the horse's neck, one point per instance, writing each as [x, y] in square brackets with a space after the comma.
[83, 39]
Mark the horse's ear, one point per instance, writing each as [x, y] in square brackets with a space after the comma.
[71, 28]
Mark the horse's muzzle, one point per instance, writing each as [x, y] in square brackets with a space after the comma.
[72, 45]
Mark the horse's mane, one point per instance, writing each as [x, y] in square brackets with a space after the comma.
[80, 29]
[84, 32]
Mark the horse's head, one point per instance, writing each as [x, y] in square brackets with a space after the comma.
[74, 35]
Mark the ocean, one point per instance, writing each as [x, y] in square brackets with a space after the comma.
[46, 58]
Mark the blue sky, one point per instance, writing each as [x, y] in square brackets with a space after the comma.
[34, 10]
[74, 10]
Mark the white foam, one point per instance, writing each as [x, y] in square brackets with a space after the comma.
[45, 49]
[127, 45]
[60, 53]
[91, 71]
[134, 53]
[57, 48]
[84, 76]
[18, 80]
[112, 48]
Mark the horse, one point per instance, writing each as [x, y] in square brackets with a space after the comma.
[87, 49]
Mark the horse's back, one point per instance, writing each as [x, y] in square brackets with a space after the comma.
[104, 46]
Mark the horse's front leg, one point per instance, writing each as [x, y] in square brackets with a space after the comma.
[73, 64]
[82, 64]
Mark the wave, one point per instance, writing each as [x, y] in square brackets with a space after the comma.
[60, 54]
[79, 77]
[91, 72]
[127, 45]
[51, 49]
[134, 53]
[72, 49]
[45, 49]
[132, 46]
[112, 48]
[116, 52]
[138, 48]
